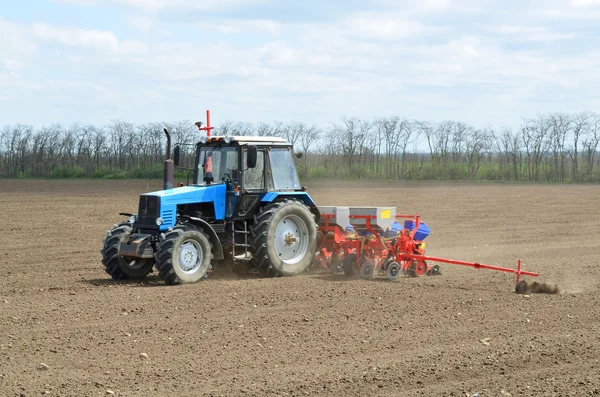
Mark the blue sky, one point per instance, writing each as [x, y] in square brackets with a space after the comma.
[482, 62]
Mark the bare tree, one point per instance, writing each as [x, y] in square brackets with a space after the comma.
[405, 138]
[477, 143]
[559, 126]
[264, 129]
[308, 137]
[534, 135]
[347, 136]
[510, 147]
[328, 150]
[590, 143]
[581, 128]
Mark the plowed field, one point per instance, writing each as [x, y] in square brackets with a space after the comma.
[462, 333]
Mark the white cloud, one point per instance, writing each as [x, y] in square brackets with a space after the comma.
[436, 5]
[267, 26]
[570, 13]
[533, 33]
[279, 53]
[229, 26]
[427, 7]
[12, 65]
[377, 26]
[17, 53]
[585, 3]
[140, 22]
[160, 5]
[91, 39]
[15, 43]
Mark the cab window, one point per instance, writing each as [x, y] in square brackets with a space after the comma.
[221, 161]
[254, 177]
[283, 168]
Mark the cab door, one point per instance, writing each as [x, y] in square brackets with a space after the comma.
[254, 185]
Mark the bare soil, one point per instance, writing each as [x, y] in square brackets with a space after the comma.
[462, 333]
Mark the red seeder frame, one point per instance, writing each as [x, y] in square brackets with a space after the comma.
[403, 248]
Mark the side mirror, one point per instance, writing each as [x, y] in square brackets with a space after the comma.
[176, 155]
[299, 155]
[251, 156]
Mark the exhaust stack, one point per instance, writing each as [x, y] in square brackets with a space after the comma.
[169, 166]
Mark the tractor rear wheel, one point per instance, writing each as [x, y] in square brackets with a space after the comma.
[118, 267]
[283, 238]
[183, 255]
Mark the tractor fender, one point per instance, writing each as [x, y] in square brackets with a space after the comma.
[304, 197]
[217, 248]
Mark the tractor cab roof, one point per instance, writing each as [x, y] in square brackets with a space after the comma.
[246, 140]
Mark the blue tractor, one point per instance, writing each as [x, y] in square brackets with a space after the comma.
[245, 204]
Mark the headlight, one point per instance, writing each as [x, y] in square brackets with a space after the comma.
[132, 219]
[159, 221]
[203, 139]
[227, 139]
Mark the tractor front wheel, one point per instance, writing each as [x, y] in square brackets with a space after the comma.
[283, 238]
[183, 255]
[118, 267]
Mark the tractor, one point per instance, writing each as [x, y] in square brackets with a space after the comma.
[244, 204]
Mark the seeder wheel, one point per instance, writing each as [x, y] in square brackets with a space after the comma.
[417, 268]
[434, 271]
[348, 264]
[366, 270]
[393, 271]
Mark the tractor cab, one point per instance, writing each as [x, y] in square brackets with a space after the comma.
[250, 167]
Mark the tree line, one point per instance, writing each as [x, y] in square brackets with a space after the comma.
[553, 147]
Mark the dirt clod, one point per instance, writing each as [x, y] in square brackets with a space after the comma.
[526, 287]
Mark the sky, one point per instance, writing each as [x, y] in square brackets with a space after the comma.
[478, 61]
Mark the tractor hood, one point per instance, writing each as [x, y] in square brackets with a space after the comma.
[171, 198]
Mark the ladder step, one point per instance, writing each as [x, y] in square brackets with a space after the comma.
[241, 245]
[243, 257]
[241, 232]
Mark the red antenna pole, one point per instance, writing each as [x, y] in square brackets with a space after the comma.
[208, 127]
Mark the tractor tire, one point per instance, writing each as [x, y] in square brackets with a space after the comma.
[183, 255]
[283, 238]
[117, 266]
